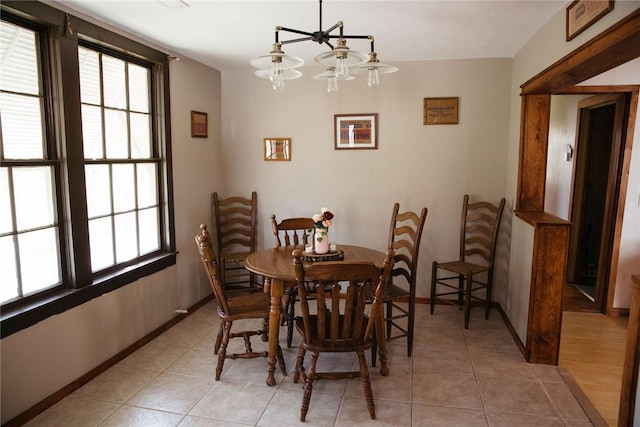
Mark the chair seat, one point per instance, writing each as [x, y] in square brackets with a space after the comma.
[462, 267]
[392, 292]
[327, 345]
[235, 257]
[247, 306]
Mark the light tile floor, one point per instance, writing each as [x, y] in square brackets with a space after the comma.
[456, 377]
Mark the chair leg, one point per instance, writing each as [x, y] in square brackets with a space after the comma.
[488, 295]
[299, 370]
[411, 321]
[308, 387]
[291, 314]
[467, 300]
[461, 292]
[374, 346]
[366, 384]
[283, 368]
[388, 319]
[222, 352]
[216, 346]
[432, 300]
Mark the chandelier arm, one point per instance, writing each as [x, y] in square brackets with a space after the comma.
[297, 40]
[338, 24]
[292, 30]
[347, 37]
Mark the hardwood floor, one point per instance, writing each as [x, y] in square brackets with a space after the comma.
[592, 349]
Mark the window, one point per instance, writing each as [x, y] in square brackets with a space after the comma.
[120, 162]
[85, 178]
[28, 200]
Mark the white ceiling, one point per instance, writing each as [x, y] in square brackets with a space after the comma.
[226, 34]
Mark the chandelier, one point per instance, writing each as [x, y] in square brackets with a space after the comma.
[340, 60]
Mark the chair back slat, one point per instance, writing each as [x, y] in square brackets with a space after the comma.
[292, 231]
[236, 219]
[203, 239]
[405, 233]
[479, 231]
[339, 322]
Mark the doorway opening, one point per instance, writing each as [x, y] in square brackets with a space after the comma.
[596, 184]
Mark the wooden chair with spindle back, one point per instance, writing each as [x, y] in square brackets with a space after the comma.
[247, 306]
[291, 232]
[338, 324]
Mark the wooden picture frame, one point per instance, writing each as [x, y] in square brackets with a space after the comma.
[277, 149]
[440, 111]
[581, 14]
[355, 131]
[199, 126]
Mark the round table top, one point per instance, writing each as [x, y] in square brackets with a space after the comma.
[277, 263]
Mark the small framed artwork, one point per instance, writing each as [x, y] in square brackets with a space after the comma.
[277, 149]
[581, 14]
[440, 111]
[199, 128]
[356, 131]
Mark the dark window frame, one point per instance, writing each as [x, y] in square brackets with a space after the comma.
[63, 34]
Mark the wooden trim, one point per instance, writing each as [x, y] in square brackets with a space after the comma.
[534, 134]
[622, 191]
[614, 46]
[551, 241]
[631, 360]
[65, 391]
[583, 400]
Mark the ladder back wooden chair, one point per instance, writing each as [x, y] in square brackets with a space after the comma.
[248, 306]
[235, 219]
[405, 233]
[478, 237]
[291, 232]
[338, 324]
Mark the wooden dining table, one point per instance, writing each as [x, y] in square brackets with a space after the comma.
[276, 265]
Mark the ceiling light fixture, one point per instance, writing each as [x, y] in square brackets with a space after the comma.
[340, 60]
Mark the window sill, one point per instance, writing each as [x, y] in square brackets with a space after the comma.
[16, 319]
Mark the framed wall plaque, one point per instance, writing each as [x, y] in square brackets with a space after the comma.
[355, 131]
[199, 128]
[581, 14]
[277, 149]
[440, 111]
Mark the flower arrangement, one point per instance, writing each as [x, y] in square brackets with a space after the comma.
[323, 219]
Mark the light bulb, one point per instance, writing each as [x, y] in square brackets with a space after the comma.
[278, 81]
[276, 69]
[373, 77]
[332, 84]
[342, 68]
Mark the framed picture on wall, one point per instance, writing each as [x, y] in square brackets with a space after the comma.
[277, 149]
[199, 128]
[581, 14]
[356, 131]
[440, 111]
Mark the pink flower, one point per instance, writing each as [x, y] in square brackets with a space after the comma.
[323, 219]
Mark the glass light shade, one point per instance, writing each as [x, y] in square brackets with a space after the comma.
[341, 58]
[286, 74]
[276, 56]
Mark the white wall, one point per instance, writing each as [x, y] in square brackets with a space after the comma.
[415, 165]
[545, 48]
[44, 358]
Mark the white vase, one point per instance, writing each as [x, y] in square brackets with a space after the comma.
[321, 240]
